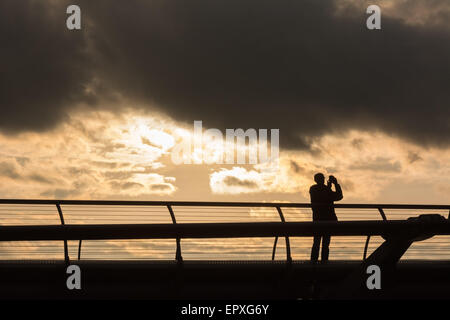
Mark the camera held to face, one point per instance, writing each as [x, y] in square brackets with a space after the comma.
[332, 180]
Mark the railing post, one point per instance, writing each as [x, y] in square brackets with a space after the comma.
[79, 249]
[288, 246]
[178, 256]
[61, 218]
[274, 248]
[382, 213]
[365, 248]
[383, 216]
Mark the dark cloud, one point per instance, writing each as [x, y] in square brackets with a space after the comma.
[44, 67]
[126, 174]
[294, 65]
[109, 164]
[77, 171]
[60, 193]
[125, 185]
[40, 179]
[104, 164]
[296, 167]
[236, 182]
[119, 174]
[9, 170]
[413, 157]
[358, 143]
[160, 187]
[378, 164]
[22, 160]
[108, 148]
[431, 12]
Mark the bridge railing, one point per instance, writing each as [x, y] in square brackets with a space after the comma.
[172, 228]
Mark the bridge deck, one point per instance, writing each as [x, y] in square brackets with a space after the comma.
[210, 279]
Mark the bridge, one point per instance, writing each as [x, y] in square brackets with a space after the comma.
[40, 238]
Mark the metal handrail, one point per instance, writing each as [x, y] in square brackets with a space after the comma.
[219, 204]
[220, 230]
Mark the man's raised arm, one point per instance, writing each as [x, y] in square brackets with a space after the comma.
[337, 195]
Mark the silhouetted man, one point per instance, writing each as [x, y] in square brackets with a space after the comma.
[322, 198]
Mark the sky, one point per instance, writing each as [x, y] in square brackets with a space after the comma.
[96, 113]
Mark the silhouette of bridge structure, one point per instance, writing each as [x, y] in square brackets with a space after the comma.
[179, 277]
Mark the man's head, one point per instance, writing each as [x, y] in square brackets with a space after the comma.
[319, 178]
